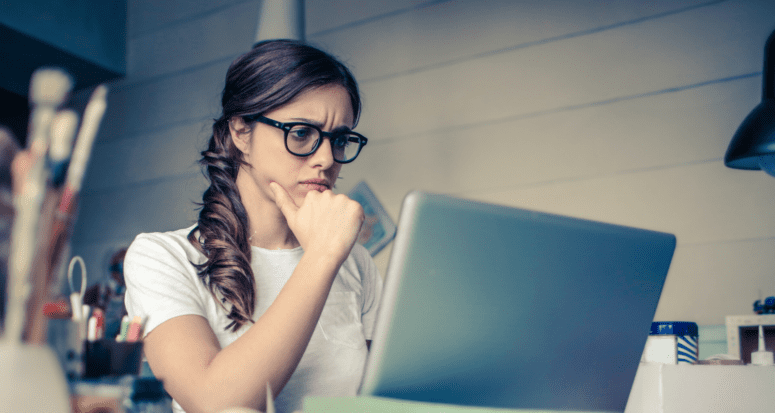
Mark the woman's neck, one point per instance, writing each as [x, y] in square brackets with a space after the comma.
[270, 231]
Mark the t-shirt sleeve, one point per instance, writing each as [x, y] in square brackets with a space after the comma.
[372, 292]
[160, 281]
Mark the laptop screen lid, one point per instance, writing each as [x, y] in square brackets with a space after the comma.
[487, 305]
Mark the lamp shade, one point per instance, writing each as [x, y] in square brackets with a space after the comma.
[753, 145]
[281, 19]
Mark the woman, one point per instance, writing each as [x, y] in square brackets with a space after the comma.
[269, 287]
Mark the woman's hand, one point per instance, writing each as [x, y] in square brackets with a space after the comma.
[324, 223]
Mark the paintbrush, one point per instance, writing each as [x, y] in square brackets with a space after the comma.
[63, 128]
[63, 215]
[48, 90]
[92, 117]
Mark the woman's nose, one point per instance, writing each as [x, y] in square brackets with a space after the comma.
[323, 155]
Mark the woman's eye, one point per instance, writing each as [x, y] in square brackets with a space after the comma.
[301, 133]
[339, 142]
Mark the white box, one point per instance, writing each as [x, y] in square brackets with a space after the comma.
[666, 388]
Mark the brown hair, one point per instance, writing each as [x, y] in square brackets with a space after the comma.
[269, 76]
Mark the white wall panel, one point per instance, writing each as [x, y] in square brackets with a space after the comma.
[656, 131]
[322, 15]
[148, 15]
[709, 281]
[157, 155]
[121, 213]
[710, 43]
[699, 203]
[325, 15]
[175, 35]
[170, 101]
[224, 34]
[425, 37]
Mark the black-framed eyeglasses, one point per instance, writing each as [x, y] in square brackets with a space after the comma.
[303, 139]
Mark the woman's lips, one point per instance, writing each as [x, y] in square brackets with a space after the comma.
[319, 185]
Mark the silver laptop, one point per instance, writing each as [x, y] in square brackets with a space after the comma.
[487, 305]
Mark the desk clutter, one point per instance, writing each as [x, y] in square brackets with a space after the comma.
[59, 355]
[103, 371]
[672, 377]
[91, 355]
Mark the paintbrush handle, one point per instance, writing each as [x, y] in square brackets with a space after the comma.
[58, 215]
[27, 203]
[35, 325]
[61, 231]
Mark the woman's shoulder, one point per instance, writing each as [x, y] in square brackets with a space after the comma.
[360, 263]
[160, 244]
[360, 255]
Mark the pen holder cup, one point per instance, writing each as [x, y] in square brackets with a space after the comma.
[68, 338]
[108, 357]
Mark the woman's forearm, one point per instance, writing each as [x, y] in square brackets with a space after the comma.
[272, 347]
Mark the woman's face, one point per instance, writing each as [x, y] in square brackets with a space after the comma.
[263, 146]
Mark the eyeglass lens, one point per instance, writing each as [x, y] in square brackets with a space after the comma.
[302, 140]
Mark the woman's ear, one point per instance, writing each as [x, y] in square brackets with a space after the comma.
[240, 133]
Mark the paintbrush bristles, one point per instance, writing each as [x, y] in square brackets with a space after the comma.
[49, 86]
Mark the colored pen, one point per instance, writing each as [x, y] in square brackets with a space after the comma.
[135, 330]
[91, 330]
[124, 328]
[96, 327]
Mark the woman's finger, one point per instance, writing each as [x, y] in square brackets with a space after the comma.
[283, 201]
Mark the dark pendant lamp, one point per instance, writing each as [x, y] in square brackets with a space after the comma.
[753, 145]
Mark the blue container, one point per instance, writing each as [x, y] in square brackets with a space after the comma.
[684, 334]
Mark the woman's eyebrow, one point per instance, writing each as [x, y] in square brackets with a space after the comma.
[341, 129]
[305, 120]
[338, 129]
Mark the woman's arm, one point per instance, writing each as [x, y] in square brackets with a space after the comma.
[185, 354]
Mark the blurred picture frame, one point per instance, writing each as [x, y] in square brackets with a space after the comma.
[378, 228]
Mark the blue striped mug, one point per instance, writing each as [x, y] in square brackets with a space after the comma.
[672, 342]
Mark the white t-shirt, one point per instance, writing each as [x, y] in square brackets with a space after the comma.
[162, 284]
